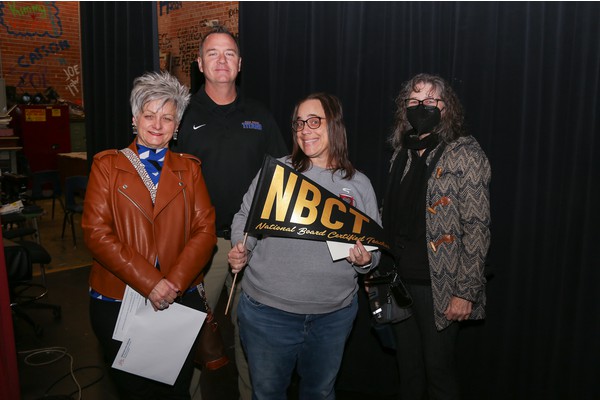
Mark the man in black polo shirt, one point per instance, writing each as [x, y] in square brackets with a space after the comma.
[231, 135]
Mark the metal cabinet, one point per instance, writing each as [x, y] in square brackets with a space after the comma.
[44, 131]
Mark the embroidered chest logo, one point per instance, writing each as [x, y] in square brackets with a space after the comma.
[252, 125]
[347, 197]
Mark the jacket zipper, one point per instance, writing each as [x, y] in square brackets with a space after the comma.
[135, 204]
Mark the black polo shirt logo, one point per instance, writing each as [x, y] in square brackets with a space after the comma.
[252, 125]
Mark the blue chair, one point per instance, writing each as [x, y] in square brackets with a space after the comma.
[46, 185]
[75, 187]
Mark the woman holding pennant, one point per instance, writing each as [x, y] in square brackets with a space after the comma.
[298, 305]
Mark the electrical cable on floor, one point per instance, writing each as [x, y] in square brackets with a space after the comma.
[83, 387]
[59, 352]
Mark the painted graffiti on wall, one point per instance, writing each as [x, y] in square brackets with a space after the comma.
[165, 7]
[39, 51]
[232, 21]
[189, 43]
[164, 42]
[72, 79]
[33, 79]
[30, 18]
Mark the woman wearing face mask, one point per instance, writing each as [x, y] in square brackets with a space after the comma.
[437, 214]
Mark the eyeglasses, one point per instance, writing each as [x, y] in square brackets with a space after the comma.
[428, 102]
[312, 122]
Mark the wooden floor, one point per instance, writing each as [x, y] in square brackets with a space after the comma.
[67, 356]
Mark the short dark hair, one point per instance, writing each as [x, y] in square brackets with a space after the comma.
[451, 126]
[218, 29]
[336, 133]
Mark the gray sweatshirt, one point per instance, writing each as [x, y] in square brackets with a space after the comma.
[297, 275]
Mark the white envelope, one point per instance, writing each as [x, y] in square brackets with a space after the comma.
[339, 250]
[132, 301]
[157, 342]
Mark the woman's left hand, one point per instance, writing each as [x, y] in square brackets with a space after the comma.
[458, 309]
[359, 256]
[163, 294]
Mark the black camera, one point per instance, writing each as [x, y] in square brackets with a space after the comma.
[388, 298]
[394, 286]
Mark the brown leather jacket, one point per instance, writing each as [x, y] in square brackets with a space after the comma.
[127, 234]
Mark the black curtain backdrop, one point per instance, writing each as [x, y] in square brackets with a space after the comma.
[529, 77]
[119, 42]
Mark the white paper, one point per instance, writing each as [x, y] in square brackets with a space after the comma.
[158, 342]
[339, 250]
[132, 300]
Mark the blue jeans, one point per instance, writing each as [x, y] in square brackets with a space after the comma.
[277, 341]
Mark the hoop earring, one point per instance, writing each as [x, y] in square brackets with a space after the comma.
[134, 128]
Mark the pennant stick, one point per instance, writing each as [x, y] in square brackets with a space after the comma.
[234, 279]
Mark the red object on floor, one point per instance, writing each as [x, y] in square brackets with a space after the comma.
[9, 375]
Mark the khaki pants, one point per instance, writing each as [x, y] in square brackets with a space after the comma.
[216, 276]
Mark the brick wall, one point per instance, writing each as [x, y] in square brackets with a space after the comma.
[40, 47]
[182, 25]
[40, 42]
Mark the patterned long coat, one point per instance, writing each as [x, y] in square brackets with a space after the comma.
[457, 209]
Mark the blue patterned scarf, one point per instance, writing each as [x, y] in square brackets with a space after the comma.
[152, 160]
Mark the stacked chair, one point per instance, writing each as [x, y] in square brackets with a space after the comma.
[20, 256]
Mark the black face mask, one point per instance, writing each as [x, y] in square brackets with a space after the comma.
[423, 119]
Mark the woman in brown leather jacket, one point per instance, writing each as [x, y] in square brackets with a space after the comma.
[149, 224]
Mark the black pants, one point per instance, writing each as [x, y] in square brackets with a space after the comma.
[426, 357]
[103, 315]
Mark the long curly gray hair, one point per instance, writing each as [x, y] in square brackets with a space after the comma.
[451, 125]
